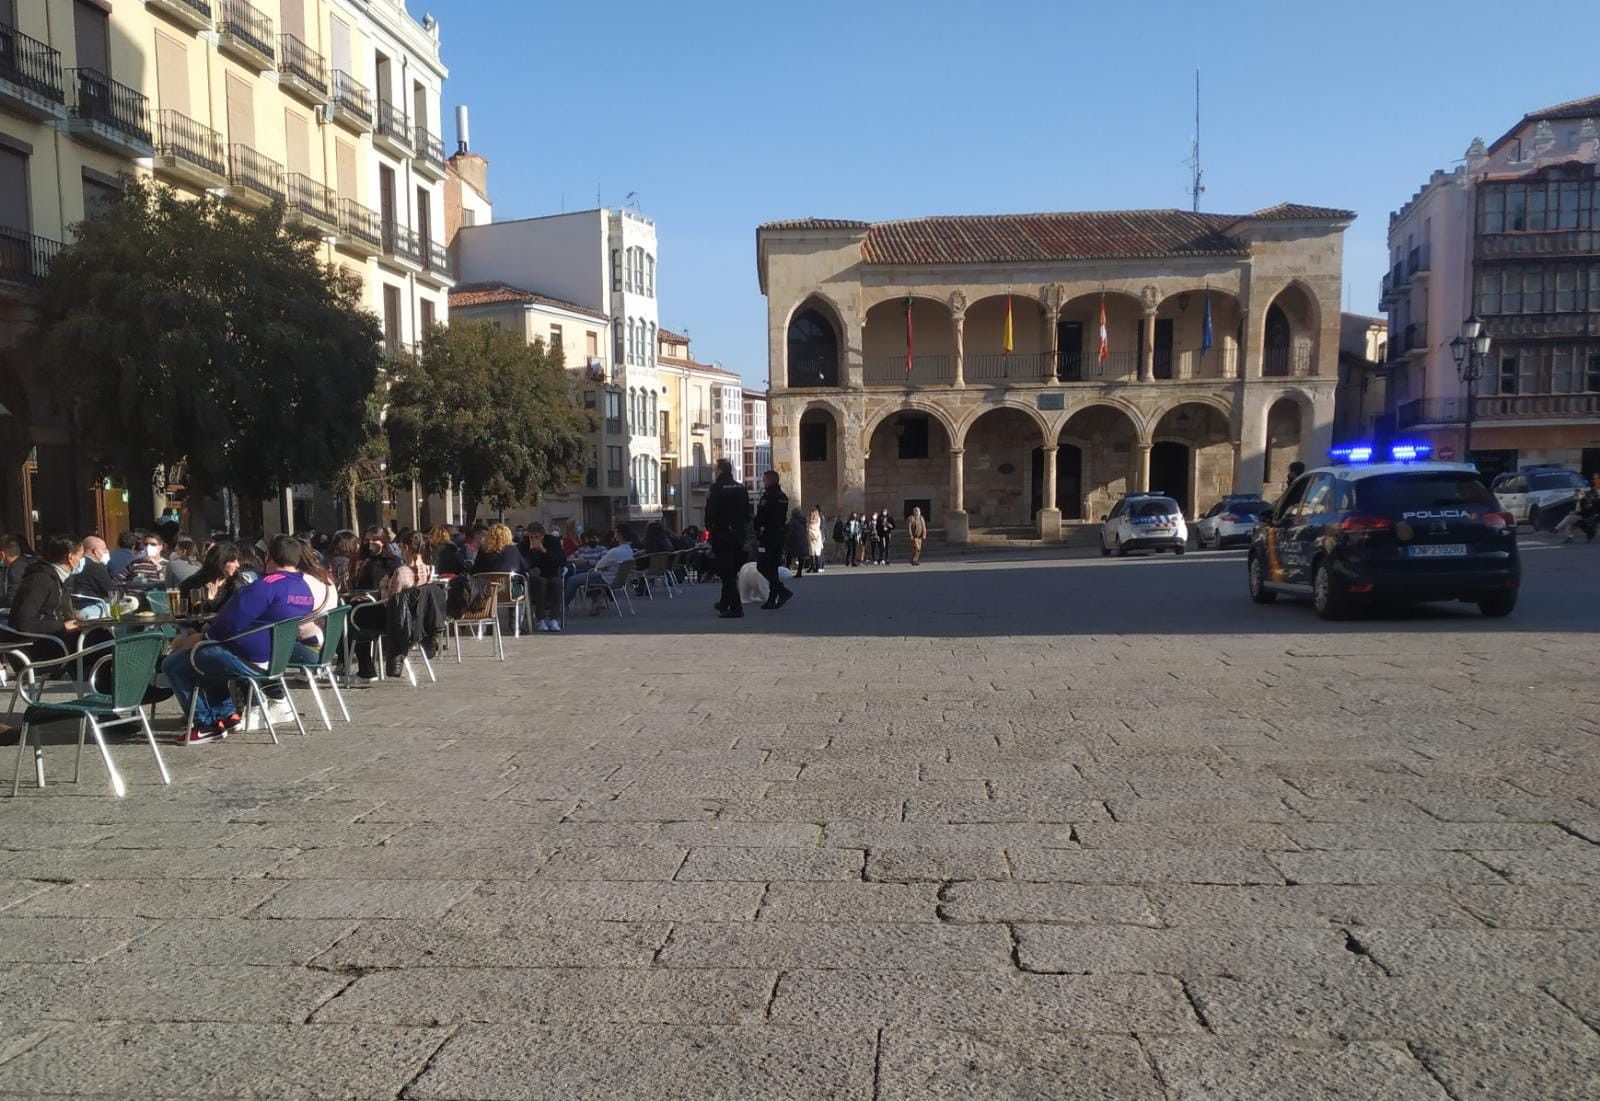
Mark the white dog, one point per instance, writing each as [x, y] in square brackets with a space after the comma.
[753, 587]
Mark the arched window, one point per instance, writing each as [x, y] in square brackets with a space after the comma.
[653, 409]
[650, 275]
[652, 344]
[1279, 340]
[813, 351]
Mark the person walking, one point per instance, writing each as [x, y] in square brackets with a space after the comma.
[727, 521]
[771, 528]
[796, 547]
[869, 537]
[852, 539]
[886, 526]
[814, 539]
[917, 532]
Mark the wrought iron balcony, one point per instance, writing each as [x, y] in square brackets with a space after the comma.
[1286, 362]
[301, 70]
[189, 150]
[1072, 365]
[1001, 367]
[25, 258]
[110, 114]
[435, 258]
[925, 371]
[393, 127]
[1500, 407]
[400, 244]
[30, 75]
[254, 180]
[352, 102]
[194, 14]
[429, 159]
[246, 32]
[360, 229]
[309, 201]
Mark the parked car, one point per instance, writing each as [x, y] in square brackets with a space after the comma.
[1400, 531]
[1539, 495]
[1144, 521]
[1230, 521]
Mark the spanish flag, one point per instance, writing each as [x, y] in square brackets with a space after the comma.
[1008, 344]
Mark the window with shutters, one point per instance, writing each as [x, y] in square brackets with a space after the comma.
[391, 317]
[425, 308]
[14, 190]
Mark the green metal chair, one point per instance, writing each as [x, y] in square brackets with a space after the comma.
[134, 658]
[284, 636]
[333, 632]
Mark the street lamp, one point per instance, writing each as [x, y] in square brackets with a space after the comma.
[1470, 349]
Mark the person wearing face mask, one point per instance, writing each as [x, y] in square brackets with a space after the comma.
[93, 579]
[42, 606]
[149, 569]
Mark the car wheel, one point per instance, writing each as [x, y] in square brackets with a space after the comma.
[1122, 551]
[1258, 583]
[1497, 605]
[1533, 520]
[1327, 594]
[1105, 551]
[1180, 548]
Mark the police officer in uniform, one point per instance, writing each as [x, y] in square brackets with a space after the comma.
[727, 520]
[772, 521]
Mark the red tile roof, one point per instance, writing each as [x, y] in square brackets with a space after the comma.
[1286, 212]
[467, 295]
[671, 337]
[818, 223]
[1587, 107]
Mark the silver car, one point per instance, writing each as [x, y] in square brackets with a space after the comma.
[1230, 521]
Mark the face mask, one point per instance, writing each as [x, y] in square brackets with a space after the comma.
[79, 567]
[103, 557]
[152, 552]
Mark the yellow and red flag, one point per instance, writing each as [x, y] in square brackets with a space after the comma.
[1105, 340]
[1008, 344]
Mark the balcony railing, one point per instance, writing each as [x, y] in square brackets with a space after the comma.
[1003, 367]
[351, 95]
[117, 106]
[925, 370]
[188, 142]
[392, 123]
[25, 257]
[1216, 362]
[251, 171]
[310, 199]
[1417, 260]
[429, 147]
[400, 242]
[1499, 407]
[435, 257]
[30, 64]
[360, 222]
[202, 8]
[1078, 366]
[300, 61]
[1286, 363]
[1416, 336]
[249, 25]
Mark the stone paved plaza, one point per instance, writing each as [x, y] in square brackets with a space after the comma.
[1014, 825]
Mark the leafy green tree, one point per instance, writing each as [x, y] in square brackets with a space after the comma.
[188, 330]
[483, 408]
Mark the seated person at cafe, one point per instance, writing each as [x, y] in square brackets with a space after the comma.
[620, 551]
[217, 581]
[148, 570]
[201, 677]
[41, 605]
[375, 562]
[499, 553]
[442, 549]
[14, 562]
[128, 544]
[546, 562]
[410, 570]
[93, 579]
[588, 553]
[184, 563]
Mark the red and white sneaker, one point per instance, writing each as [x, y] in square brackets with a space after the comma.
[225, 726]
[203, 735]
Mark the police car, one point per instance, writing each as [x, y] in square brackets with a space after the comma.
[1231, 520]
[1539, 495]
[1143, 521]
[1407, 529]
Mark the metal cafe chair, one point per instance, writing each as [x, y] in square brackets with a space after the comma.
[616, 591]
[485, 616]
[134, 658]
[285, 634]
[333, 630]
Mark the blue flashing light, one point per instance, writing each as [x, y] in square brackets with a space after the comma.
[1357, 453]
[1410, 452]
[1352, 453]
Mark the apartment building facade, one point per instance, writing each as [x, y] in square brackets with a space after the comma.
[328, 107]
[1512, 237]
[692, 437]
[603, 261]
[1019, 371]
[757, 442]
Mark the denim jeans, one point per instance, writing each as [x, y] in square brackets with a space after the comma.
[208, 677]
[579, 580]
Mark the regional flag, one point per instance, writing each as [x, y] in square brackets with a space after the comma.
[1105, 340]
[908, 336]
[1205, 331]
[1008, 344]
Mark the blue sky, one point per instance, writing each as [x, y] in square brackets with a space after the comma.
[722, 115]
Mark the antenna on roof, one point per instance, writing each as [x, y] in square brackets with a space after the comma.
[1196, 188]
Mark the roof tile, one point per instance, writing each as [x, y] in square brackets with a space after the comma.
[467, 295]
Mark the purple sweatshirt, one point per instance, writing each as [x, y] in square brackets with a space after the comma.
[273, 599]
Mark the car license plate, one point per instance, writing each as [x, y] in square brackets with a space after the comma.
[1440, 550]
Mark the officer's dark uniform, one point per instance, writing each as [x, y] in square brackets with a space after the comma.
[727, 519]
[772, 523]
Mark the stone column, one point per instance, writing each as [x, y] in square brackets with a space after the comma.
[1049, 518]
[955, 520]
[1250, 470]
[1052, 332]
[1141, 477]
[1147, 358]
[958, 319]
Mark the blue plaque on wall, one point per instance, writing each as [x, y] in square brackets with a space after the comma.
[1052, 401]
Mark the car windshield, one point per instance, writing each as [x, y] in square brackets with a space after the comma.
[1391, 493]
[1246, 506]
[1558, 479]
[1155, 506]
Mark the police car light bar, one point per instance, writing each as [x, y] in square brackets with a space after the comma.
[1357, 453]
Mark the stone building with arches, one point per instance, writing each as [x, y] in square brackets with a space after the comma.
[893, 381]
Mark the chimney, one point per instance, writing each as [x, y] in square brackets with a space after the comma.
[463, 134]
